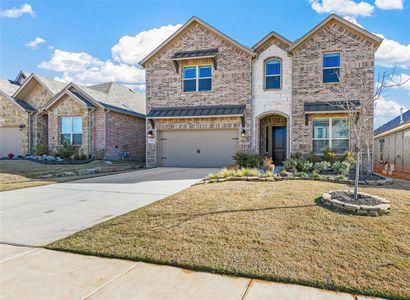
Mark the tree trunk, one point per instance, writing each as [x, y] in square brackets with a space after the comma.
[357, 175]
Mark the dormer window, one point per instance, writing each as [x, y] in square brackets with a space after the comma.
[272, 74]
[331, 67]
[197, 78]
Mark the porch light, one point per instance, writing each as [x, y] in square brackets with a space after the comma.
[22, 126]
[243, 132]
[150, 134]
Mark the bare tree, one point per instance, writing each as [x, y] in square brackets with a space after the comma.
[360, 117]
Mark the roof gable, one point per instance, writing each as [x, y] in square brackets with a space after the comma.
[270, 39]
[188, 24]
[23, 105]
[52, 86]
[348, 26]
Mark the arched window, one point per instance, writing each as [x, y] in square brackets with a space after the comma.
[272, 74]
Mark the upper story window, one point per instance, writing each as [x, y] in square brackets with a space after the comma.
[330, 133]
[71, 130]
[272, 74]
[331, 67]
[197, 78]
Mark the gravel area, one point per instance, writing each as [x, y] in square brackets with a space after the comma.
[347, 197]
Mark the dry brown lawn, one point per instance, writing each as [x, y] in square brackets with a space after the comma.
[17, 174]
[275, 231]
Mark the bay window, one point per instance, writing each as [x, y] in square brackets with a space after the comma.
[71, 130]
[197, 78]
[330, 133]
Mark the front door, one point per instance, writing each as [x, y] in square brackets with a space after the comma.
[278, 144]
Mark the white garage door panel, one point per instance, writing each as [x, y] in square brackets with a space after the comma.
[198, 148]
[10, 141]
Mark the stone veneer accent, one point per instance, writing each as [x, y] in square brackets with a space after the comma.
[357, 64]
[12, 116]
[67, 107]
[231, 82]
[270, 102]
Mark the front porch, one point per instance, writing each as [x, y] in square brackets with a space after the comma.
[272, 136]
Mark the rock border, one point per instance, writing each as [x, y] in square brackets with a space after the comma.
[91, 171]
[383, 181]
[363, 210]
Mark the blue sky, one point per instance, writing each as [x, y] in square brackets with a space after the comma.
[93, 41]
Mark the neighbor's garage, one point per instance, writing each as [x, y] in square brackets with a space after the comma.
[11, 141]
[198, 148]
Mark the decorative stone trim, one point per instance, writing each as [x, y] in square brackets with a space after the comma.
[367, 210]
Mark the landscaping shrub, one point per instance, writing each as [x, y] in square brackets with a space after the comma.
[226, 173]
[40, 149]
[269, 174]
[245, 160]
[313, 157]
[341, 178]
[329, 155]
[296, 155]
[305, 165]
[316, 175]
[10, 155]
[302, 175]
[213, 176]
[321, 166]
[290, 165]
[67, 151]
[348, 157]
[341, 167]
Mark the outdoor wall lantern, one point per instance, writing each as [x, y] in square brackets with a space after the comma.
[243, 132]
[22, 126]
[150, 134]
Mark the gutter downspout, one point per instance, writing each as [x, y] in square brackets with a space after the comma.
[106, 134]
[90, 115]
[29, 132]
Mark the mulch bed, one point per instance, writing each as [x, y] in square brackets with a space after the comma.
[347, 197]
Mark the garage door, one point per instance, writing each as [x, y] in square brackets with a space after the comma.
[10, 141]
[198, 148]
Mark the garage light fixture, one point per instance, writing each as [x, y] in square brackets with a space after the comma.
[243, 132]
[150, 134]
[22, 126]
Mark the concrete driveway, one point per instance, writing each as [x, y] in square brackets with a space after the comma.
[39, 215]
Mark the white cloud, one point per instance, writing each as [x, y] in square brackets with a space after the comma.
[131, 49]
[402, 81]
[353, 20]
[391, 53]
[34, 43]
[389, 4]
[386, 110]
[17, 12]
[343, 7]
[83, 68]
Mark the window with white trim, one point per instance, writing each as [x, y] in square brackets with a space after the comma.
[71, 130]
[197, 78]
[331, 67]
[272, 74]
[330, 133]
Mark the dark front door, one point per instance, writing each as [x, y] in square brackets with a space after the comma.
[278, 144]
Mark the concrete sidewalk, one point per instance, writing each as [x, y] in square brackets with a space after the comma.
[36, 273]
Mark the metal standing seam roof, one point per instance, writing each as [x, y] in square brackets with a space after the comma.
[393, 123]
[327, 105]
[196, 111]
[195, 53]
[24, 105]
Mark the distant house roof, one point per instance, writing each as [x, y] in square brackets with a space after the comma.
[195, 54]
[8, 86]
[328, 106]
[196, 111]
[393, 123]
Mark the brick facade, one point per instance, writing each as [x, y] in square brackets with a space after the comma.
[357, 77]
[231, 81]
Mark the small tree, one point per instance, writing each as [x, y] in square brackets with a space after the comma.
[360, 117]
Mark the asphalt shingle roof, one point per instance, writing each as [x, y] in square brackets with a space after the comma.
[393, 123]
[195, 111]
[8, 86]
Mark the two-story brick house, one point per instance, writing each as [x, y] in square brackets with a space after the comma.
[209, 97]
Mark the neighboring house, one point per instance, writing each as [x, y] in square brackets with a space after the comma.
[103, 120]
[208, 96]
[392, 148]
